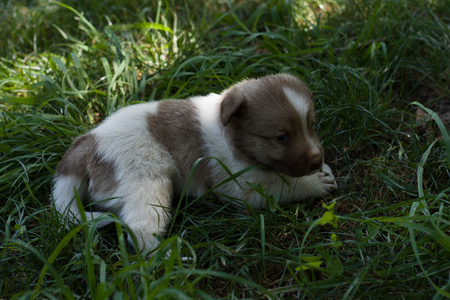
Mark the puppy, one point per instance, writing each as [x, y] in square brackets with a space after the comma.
[142, 155]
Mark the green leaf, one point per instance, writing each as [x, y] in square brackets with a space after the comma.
[328, 218]
[312, 262]
[334, 265]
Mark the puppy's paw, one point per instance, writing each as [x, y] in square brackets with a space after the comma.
[326, 183]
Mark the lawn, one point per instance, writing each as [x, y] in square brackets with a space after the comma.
[372, 66]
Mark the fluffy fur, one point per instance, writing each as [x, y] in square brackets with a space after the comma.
[141, 156]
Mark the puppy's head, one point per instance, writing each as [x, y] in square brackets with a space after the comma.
[270, 121]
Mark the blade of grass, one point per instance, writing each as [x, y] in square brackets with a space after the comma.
[441, 126]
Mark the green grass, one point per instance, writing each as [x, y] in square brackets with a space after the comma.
[65, 67]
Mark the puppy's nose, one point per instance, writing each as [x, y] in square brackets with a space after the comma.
[315, 161]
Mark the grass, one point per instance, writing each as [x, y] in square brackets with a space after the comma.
[385, 233]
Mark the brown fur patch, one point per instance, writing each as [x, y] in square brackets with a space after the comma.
[83, 160]
[176, 127]
[76, 158]
[257, 112]
[102, 175]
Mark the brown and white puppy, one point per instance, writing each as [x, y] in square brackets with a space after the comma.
[141, 156]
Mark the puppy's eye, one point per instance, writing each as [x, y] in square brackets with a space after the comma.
[282, 138]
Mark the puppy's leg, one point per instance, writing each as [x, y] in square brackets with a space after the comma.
[321, 183]
[325, 181]
[146, 209]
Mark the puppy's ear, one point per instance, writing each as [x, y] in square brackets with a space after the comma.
[233, 104]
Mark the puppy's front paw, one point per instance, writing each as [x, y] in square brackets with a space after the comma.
[326, 183]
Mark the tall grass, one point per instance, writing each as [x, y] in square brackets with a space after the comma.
[66, 66]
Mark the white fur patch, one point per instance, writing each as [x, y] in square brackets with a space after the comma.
[300, 104]
[303, 107]
[218, 145]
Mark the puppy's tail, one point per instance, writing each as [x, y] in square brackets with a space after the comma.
[66, 190]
